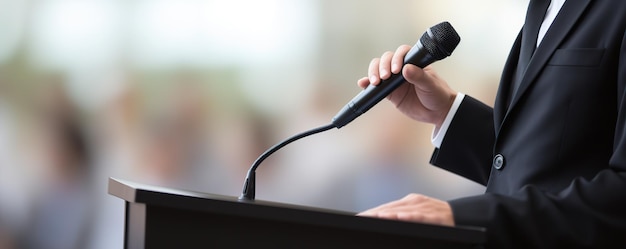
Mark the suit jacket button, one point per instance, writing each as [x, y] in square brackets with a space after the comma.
[498, 161]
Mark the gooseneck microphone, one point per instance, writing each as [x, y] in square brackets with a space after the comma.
[436, 43]
[249, 186]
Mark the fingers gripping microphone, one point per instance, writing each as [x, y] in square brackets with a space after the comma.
[436, 43]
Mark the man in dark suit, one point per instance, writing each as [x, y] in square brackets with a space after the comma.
[552, 151]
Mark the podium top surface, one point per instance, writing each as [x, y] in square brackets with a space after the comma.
[228, 205]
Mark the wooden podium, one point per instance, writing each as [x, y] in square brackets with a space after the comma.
[167, 218]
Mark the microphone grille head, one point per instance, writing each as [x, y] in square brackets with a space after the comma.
[440, 40]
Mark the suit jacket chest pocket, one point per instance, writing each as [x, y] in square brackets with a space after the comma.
[577, 57]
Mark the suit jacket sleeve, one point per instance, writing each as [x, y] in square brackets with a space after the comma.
[587, 213]
[473, 133]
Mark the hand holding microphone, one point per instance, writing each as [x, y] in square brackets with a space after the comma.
[429, 98]
[424, 97]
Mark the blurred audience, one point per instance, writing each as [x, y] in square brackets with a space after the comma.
[14, 187]
[62, 208]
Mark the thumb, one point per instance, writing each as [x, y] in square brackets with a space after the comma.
[425, 79]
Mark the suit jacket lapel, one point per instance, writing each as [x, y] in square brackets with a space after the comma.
[562, 25]
[502, 102]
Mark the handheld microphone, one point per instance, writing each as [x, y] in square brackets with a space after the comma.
[436, 43]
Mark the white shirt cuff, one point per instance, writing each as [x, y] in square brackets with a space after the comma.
[437, 138]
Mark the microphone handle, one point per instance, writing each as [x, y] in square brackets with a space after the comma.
[371, 95]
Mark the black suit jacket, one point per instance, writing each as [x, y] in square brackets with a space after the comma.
[554, 161]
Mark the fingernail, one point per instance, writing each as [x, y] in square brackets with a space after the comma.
[394, 67]
[373, 79]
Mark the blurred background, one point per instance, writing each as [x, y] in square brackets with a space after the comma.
[186, 94]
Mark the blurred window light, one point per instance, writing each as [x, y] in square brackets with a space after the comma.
[164, 30]
[12, 16]
[71, 34]
[221, 32]
[78, 34]
[487, 29]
